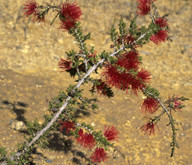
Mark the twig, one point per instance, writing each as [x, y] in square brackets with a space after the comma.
[56, 116]
[83, 48]
[173, 143]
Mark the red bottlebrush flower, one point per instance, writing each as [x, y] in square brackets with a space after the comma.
[68, 125]
[80, 133]
[129, 40]
[150, 105]
[177, 104]
[71, 10]
[129, 60]
[149, 128]
[160, 36]
[86, 140]
[30, 7]
[67, 24]
[99, 155]
[39, 17]
[162, 22]
[144, 7]
[114, 78]
[144, 75]
[69, 15]
[101, 88]
[136, 85]
[110, 133]
[64, 64]
[123, 80]
[80, 139]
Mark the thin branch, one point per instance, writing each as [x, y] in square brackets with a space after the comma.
[83, 48]
[141, 37]
[152, 18]
[173, 143]
[56, 116]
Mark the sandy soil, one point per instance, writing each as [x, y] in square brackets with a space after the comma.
[29, 53]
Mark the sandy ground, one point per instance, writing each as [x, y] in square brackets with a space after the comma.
[29, 53]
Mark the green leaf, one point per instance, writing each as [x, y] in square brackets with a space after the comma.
[133, 24]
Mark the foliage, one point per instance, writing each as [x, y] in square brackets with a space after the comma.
[120, 68]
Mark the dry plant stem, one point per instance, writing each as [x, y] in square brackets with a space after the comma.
[172, 126]
[56, 116]
[142, 36]
[152, 18]
[82, 47]
[171, 122]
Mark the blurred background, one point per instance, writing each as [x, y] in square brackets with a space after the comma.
[29, 54]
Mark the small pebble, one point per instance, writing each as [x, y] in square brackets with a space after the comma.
[48, 160]
[16, 124]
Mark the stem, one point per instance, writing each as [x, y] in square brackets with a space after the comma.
[122, 155]
[79, 40]
[142, 36]
[83, 48]
[54, 19]
[173, 143]
[152, 18]
[56, 116]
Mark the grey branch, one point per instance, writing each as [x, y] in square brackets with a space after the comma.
[56, 116]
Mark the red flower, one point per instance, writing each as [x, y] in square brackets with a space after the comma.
[99, 155]
[67, 24]
[162, 22]
[110, 133]
[39, 17]
[68, 125]
[150, 105]
[144, 7]
[129, 39]
[129, 60]
[86, 140]
[144, 75]
[69, 15]
[80, 135]
[30, 7]
[123, 80]
[114, 78]
[149, 128]
[136, 85]
[101, 87]
[177, 104]
[160, 36]
[64, 64]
